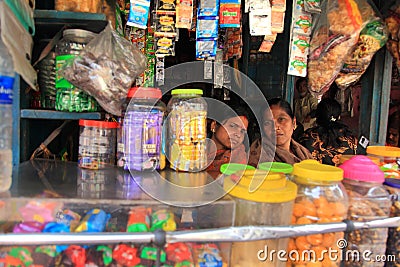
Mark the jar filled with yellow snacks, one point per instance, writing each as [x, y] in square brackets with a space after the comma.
[185, 141]
[321, 198]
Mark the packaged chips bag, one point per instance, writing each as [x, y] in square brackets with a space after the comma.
[372, 38]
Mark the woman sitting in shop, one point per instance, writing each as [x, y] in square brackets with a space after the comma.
[279, 122]
[228, 138]
[330, 139]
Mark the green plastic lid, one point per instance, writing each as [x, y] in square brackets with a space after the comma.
[231, 168]
[187, 92]
[276, 167]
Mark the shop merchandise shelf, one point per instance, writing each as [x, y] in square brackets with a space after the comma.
[64, 185]
[58, 115]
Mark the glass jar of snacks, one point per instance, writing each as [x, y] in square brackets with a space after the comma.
[393, 241]
[68, 97]
[261, 198]
[389, 158]
[368, 200]
[141, 130]
[321, 198]
[97, 143]
[186, 126]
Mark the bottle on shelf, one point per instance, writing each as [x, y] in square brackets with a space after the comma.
[7, 76]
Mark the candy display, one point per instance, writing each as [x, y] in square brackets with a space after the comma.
[186, 126]
[368, 200]
[262, 205]
[99, 220]
[97, 143]
[393, 241]
[388, 159]
[69, 97]
[321, 198]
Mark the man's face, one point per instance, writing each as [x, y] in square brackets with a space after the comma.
[392, 138]
[302, 89]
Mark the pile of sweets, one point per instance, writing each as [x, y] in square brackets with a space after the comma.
[37, 217]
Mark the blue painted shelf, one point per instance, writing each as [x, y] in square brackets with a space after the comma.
[58, 115]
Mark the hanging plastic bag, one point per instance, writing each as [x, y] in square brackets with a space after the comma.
[372, 38]
[106, 69]
[336, 32]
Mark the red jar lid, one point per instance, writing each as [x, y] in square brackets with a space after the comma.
[99, 124]
[144, 92]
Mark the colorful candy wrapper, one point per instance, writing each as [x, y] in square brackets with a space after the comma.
[178, 253]
[39, 211]
[68, 217]
[139, 219]
[94, 221]
[53, 227]
[163, 219]
[107, 254]
[150, 253]
[44, 255]
[28, 227]
[23, 254]
[206, 255]
[125, 255]
[77, 255]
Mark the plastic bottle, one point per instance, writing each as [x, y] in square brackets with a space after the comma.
[7, 76]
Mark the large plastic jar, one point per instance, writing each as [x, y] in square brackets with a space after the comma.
[389, 157]
[97, 143]
[393, 241]
[68, 97]
[368, 200]
[141, 130]
[261, 198]
[186, 127]
[321, 198]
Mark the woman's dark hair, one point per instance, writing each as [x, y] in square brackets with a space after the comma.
[283, 104]
[329, 128]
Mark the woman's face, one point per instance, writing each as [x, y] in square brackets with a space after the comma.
[279, 122]
[231, 133]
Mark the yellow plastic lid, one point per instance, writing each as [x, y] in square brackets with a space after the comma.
[313, 170]
[262, 186]
[187, 92]
[384, 151]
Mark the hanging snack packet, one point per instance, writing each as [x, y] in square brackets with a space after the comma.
[206, 48]
[335, 34]
[106, 69]
[138, 14]
[312, 6]
[372, 38]
[184, 14]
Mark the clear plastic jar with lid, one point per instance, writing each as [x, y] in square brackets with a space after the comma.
[270, 202]
[389, 157]
[141, 130]
[321, 198]
[368, 200]
[97, 143]
[393, 241]
[68, 97]
[186, 126]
